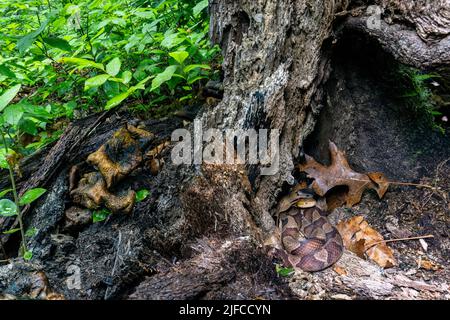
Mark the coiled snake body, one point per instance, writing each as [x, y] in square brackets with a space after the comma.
[322, 245]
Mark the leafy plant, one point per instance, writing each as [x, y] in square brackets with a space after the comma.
[8, 160]
[100, 215]
[97, 53]
[417, 94]
[284, 272]
[142, 194]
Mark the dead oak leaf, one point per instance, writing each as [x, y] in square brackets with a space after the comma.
[339, 173]
[349, 228]
[360, 238]
[381, 182]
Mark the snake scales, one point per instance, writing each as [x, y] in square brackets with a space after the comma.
[322, 245]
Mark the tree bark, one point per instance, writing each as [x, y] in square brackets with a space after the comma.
[276, 58]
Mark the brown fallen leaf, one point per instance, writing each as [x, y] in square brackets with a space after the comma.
[348, 228]
[358, 247]
[380, 180]
[339, 173]
[359, 237]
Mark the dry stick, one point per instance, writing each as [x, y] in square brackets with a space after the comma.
[119, 241]
[2, 247]
[400, 239]
[399, 183]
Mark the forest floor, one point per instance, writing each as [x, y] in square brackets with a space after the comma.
[180, 256]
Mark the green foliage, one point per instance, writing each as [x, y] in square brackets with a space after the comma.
[100, 215]
[28, 255]
[8, 95]
[12, 231]
[7, 208]
[417, 94]
[31, 195]
[142, 194]
[284, 272]
[31, 232]
[5, 192]
[10, 208]
[93, 55]
[16, 117]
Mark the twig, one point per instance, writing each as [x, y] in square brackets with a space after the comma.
[400, 239]
[19, 212]
[119, 241]
[3, 249]
[399, 183]
[412, 184]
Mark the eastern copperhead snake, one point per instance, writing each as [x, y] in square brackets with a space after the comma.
[322, 246]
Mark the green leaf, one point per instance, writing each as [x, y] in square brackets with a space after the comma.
[8, 95]
[26, 41]
[96, 81]
[7, 208]
[31, 195]
[126, 76]
[179, 56]
[284, 272]
[163, 77]
[195, 79]
[172, 40]
[58, 43]
[141, 84]
[28, 126]
[12, 114]
[31, 232]
[7, 72]
[142, 194]
[422, 77]
[191, 67]
[3, 154]
[113, 67]
[100, 215]
[200, 7]
[28, 255]
[111, 88]
[11, 231]
[82, 63]
[117, 100]
[5, 192]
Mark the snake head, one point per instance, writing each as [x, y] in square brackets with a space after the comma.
[305, 193]
[299, 194]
